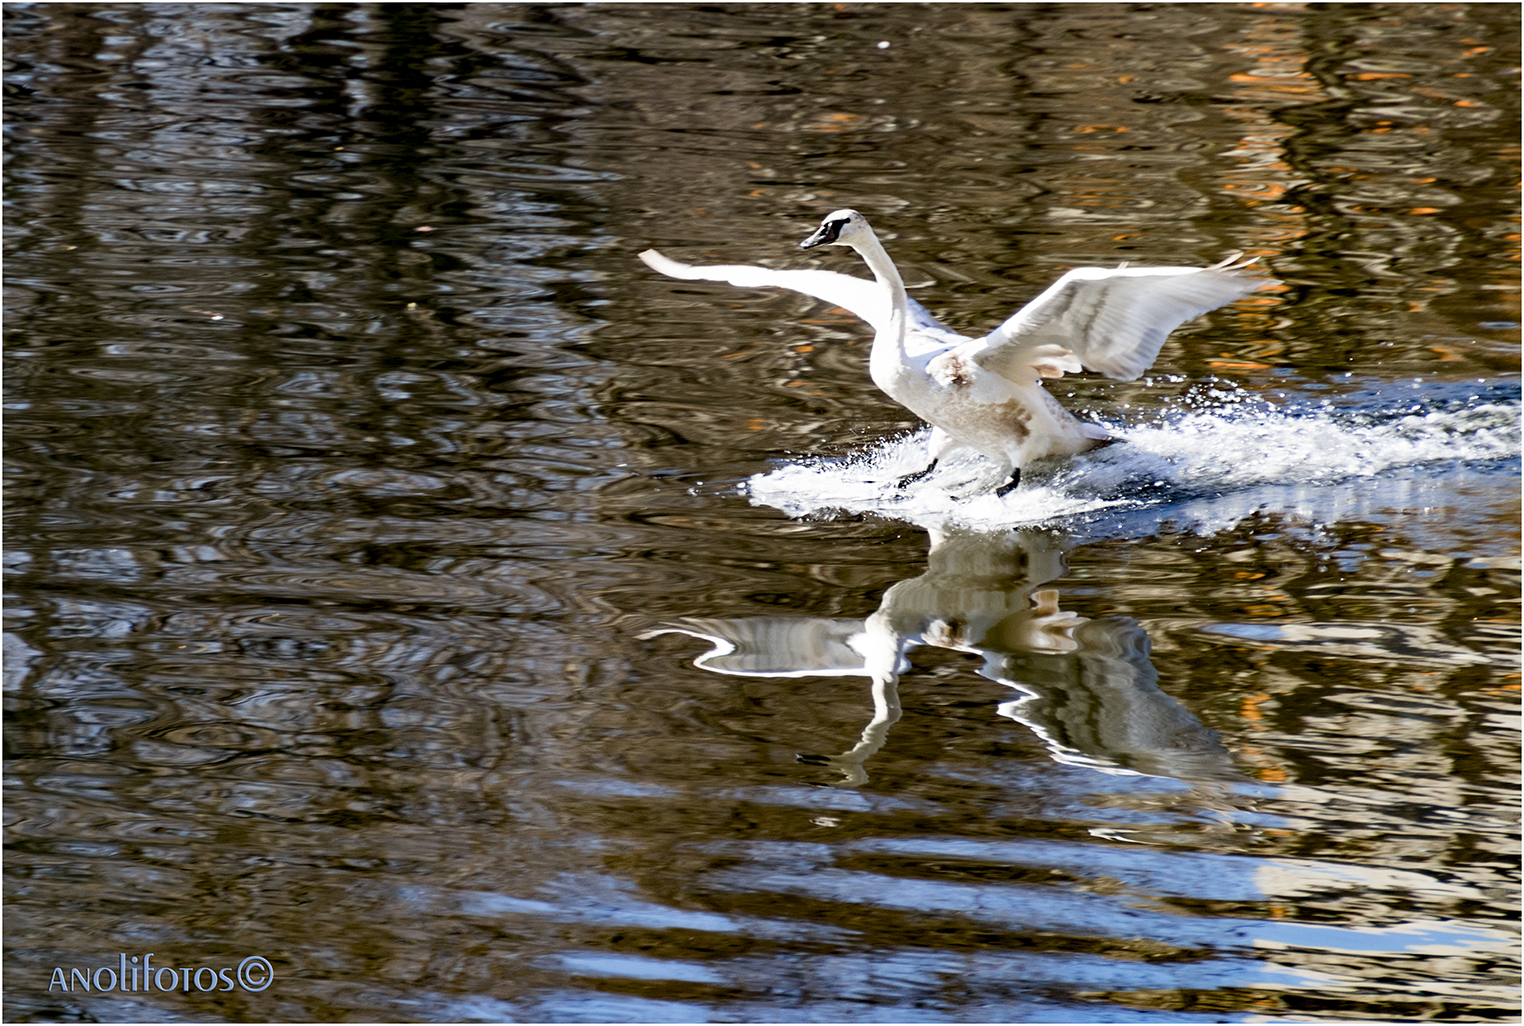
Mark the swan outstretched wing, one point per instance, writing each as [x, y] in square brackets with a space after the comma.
[1109, 321]
[860, 296]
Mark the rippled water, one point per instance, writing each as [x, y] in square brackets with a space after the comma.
[409, 588]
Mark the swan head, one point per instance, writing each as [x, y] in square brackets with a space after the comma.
[839, 228]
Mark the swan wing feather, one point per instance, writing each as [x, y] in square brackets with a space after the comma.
[861, 297]
[1112, 321]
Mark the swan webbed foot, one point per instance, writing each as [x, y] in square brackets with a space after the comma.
[1010, 485]
[919, 475]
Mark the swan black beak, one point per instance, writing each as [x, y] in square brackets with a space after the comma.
[827, 233]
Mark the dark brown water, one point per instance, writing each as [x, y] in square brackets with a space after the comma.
[410, 589]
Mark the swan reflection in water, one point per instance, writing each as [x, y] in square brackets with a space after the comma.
[1087, 687]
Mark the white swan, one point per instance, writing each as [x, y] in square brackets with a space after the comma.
[987, 393]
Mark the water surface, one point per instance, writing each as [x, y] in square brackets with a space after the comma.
[411, 589]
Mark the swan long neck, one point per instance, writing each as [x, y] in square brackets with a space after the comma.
[888, 356]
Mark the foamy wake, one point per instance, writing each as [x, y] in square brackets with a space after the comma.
[1183, 459]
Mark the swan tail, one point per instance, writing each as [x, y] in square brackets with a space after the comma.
[1097, 436]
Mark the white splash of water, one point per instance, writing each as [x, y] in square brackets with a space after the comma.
[1181, 456]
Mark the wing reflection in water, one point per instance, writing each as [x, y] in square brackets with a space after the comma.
[1088, 688]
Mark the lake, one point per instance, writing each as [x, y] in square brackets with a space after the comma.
[420, 610]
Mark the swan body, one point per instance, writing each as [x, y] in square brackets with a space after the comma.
[987, 393]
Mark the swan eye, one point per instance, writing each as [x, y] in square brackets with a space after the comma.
[832, 229]
[827, 233]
